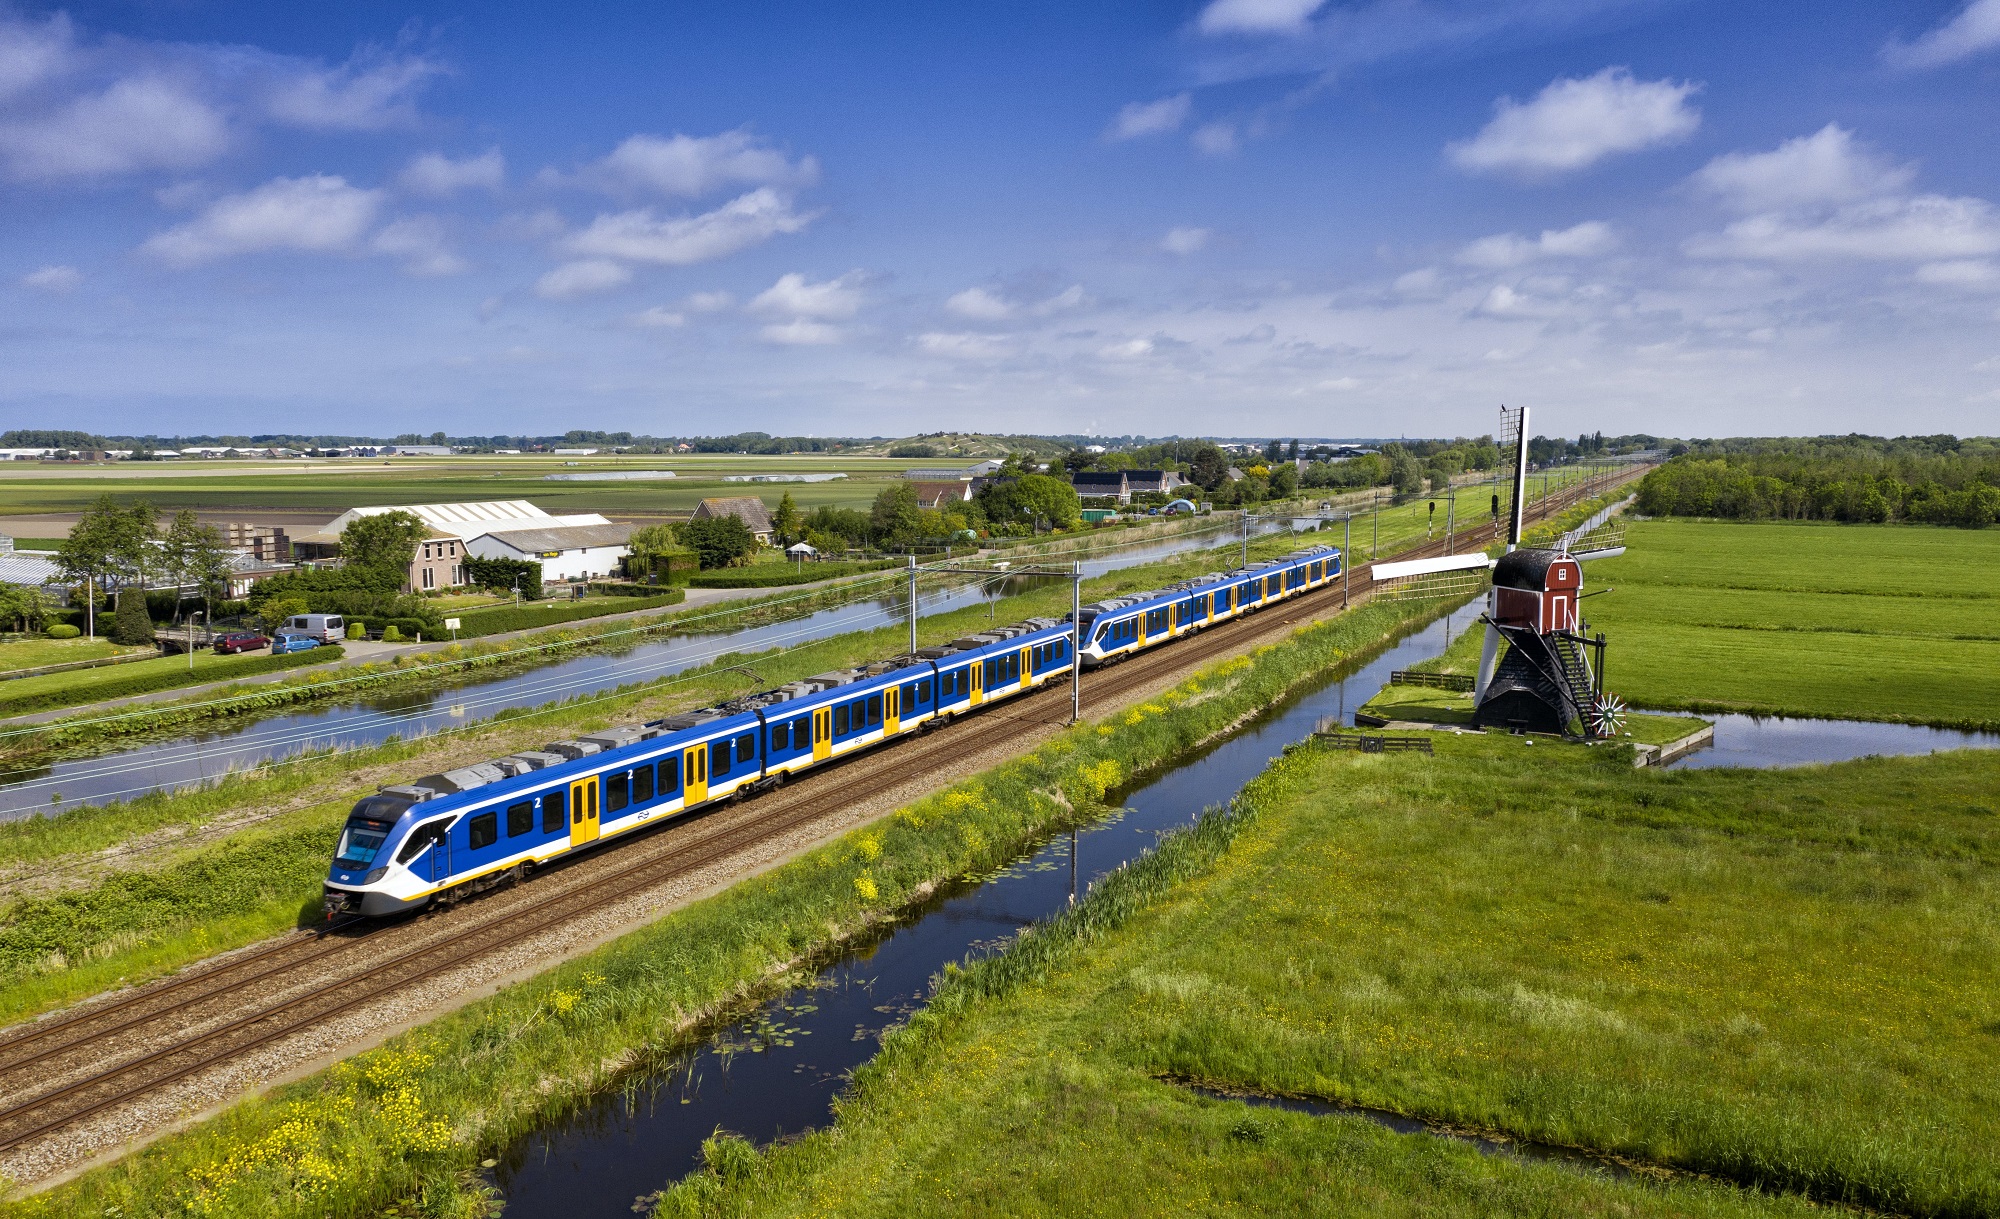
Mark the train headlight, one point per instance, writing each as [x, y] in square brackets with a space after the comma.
[374, 876]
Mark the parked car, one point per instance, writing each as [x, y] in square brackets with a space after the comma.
[292, 641]
[231, 642]
[324, 627]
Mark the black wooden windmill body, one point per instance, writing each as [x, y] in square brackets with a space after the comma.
[1550, 674]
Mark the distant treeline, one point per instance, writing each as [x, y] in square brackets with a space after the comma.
[1934, 480]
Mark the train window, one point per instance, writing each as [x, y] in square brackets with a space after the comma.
[420, 838]
[484, 830]
[552, 812]
[840, 720]
[642, 785]
[746, 747]
[520, 818]
[801, 732]
[781, 735]
[670, 775]
[874, 710]
[617, 791]
[718, 763]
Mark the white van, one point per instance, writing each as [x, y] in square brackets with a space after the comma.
[327, 628]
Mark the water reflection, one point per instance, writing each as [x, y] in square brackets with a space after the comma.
[1768, 741]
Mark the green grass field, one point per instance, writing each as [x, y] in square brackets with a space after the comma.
[31, 653]
[1844, 621]
[1781, 978]
[80, 686]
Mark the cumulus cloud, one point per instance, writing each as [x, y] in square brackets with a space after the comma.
[136, 124]
[1976, 28]
[53, 279]
[1576, 122]
[372, 91]
[800, 332]
[1828, 166]
[1137, 119]
[793, 295]
[1132, 349]
[691, 166]
[641, 236]
[964, 345]
[421, 243]
[437, 176]
[317, 213]
[1257, 16]
[33, 53]
[1926, 228]
[659, 317]
[1217, 139]
[1502, 250]
[1185, 240]
[981, 305]
[583, 277]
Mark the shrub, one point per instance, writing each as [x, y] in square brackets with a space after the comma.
[131, 624]
[391, 635]
[356, 630]
[63, 630]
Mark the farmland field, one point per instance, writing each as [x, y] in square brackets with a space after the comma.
[1873, 622]
[1781, 978]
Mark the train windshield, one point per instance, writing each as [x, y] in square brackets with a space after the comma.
[359, 842]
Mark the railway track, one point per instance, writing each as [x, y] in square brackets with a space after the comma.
[65, 1069]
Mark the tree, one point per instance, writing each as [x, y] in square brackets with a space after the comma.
[1284, 479]
[653, 549]
[894, 517]
[1207, 467]
[192, 553]
[384, 545]
[1273, 450]
[1049, 499]
[787, 523]
[23, 605]
[1294, 455]
[438, 438]
[107, 542]
[719, 541]
[131, 625]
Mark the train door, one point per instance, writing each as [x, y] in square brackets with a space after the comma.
[892, 711]
[694, 773]
[822, 734]
[978, 671]
[1027, 668]
[583, 811]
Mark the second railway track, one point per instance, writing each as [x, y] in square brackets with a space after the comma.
[64, 1069]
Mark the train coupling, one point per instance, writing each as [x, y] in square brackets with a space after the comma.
[336, 902]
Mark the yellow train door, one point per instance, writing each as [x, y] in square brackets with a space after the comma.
[583, 811]
[822, 734]
[978, 672]
[892, 717]
[694, 769]
[1027, 669]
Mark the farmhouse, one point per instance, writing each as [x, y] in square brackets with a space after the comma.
[746, 508]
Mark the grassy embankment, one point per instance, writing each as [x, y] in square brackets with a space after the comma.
[135, 924]
[1780, 978]
[1875, 622]
[79, 686]
[33, 653]
[406, 1118]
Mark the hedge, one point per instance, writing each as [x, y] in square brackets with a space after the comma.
[775, 575]
[526, 617]
[146, 683]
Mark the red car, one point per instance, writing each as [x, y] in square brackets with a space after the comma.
[240, 641]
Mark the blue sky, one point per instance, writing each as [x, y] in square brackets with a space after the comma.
[1244, 217]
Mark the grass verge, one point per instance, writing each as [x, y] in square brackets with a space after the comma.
[1780, 978]
[372, 1131]
[777, 575]
[474, 623]
[31, 694]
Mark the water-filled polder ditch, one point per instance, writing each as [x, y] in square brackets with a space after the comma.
[1773, 740]
[177, 758]
[776, 1072]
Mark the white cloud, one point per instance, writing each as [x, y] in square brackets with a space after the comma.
[1962, 273]
[436, 176]
[1825, 167]
[708, 302]
[981, 305]
[1257, 16]
[1926, 228]
[1217, 139]
[136, 124]
[1132, 349]
[1976, 28]
[659, 317]
[420, 241]
[1150, 118]
[369, 92]
[1071, 297]
[582, 278]
[691, 166]
[965, 345]
[1574, 123]
[317, 213]
[53, 279]
[801, 333]
[794, 296]
[1584, 240]
[640, 236]
[1185, 240]
[31, 54]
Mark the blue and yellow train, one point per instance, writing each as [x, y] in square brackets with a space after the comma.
[448, 835]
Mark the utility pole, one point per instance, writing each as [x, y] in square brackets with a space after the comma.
[1075, 669]
[1346, 559]
[913, 604]
[1246, 537]
[1450, 513]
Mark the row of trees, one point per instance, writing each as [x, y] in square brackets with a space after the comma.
[1860, 479]
[117, 546]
